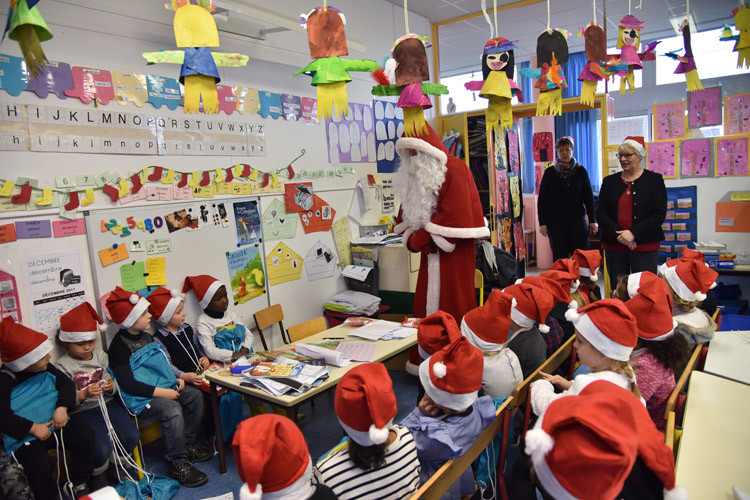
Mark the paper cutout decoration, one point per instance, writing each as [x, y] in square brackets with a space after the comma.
[91, 83]
[247, 222]
[403, 76]
[130, 87]
[319, 217]
[596, 68]
[515, 195]
[514, 157]
[298, 196]
[742, 40]
[26, 25]
[163, 91]
[351, 138]
[283, 264]
[310, 109]
[319, 262]
[389, 125]
[113, 254]
[498, 86]
[731, 156]
[737, 114]
[704, 107]
[291, 107]
[543, 147]
[662, 158]
[13, 76]
[330, 73]
[248, 100]
[270, 104]
[502, 191]
[520, 242]
[669, 120]
[551, 52]
[277, 223]
[246, 275]
[54, 77]
[696, 158]
[687, 61]
[227, 101]
[195, 31]
[628, 41]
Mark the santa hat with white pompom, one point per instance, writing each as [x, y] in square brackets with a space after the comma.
[569, 266]
[125, 307]
[487, 327]
[531, 304]
[164, 303]
[601, 431]
[80, 324]
[690, 279]
[452, 376]
[589, 262]
[365, 404]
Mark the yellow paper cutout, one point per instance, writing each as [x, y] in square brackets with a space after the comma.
[253, 175]
[414, 123]
[124, 189]
[195, 179]
[7, 188]
[230, 59]
[333, 95]
[144, 175]
[238, 170]
[693, 81]
[46, 198]
[248, 100]
[204, 191]
[89, 199]
[587, 93]
[169, 178]
[111, 255]
[156, 269]
[274, 180]
[129, 87]
[201, 87]
[194, 27]
[283, 264]
[219, 175]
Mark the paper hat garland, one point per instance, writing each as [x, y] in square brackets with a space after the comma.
[628, 41]
[26, 25]
[687, 61]
[80, 324]
[20, 346]
[551, 52]
[330, 73]
[195, 31]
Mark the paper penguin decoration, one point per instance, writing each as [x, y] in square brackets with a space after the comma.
[498, 86]
[687, 61]
[26, 26]
[551, 52]
[742, 40]
[407, 75]
[196, 32]
[628, 41]
[330, 73]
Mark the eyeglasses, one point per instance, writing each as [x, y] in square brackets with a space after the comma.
[624, 155]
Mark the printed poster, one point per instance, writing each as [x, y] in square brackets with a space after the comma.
[54, 284]
[696, 158]
[351, 138]
[389, 125]
[246, 274]
[247, 222]
[9, 303]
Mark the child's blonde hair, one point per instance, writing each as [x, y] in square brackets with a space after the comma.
[624, 368]
[578, 298]
[682, 304]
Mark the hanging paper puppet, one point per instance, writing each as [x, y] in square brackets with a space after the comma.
[628, 41]
[405, 79]
[551, 52]
[742, 40]
[26, 26]
[498, 86]
[594, 71]
[195, 31]
[687, 61]
[330, 73]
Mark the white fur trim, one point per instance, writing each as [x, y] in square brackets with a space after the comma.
[422, 353]
[411, 368]
[457, 232]
[700, 296]
[665, 336]
[245, 493]
[31, 357]
[389, 68]
[538, 443]
[212, 289]
[713, 285]
[135, 313]
[574, 285]
[634, 283]
[301, 488]
[543, 328]
[433, 283]
[636, 146]
[367, 438]
[584, 326]
[477, 342]
[439, 369]
[679, 286]
[676, 493]
[520, 318]
[442, 243]
[519, 281]
[106, 493]
[77, 336]
[548, 479]
[405, 237]
[573, 305]
[405, 143]
[457, 402]
[102, 327]
[133, 299]
[169, 309]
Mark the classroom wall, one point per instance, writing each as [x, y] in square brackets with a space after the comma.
[86, 35]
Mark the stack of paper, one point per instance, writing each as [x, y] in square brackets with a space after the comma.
[284, 375]
[380, 239]
[382, 330]
[332, 357]
[352, 302]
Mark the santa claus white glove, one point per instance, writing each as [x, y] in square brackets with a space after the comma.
[421, 241]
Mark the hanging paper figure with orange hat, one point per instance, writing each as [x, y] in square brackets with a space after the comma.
[551, 52]
[742, 40]
[26, 25]
[628, 41]
[195, 31]
[407, 75]
[330, 73]
[687, 61]
[498, 86]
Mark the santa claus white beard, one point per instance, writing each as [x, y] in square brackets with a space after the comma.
[418, 181]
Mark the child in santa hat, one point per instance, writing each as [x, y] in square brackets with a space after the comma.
[600, 445]
[556, 334]
[450, 416]
[87, 367]
[531, 307]
[571, 267]
[150, 389]
[606, 333]
[589, 263]
[273, 461]
[689, 282]
[34, 401]
[380, 458]
[659, 351]
[433, 333]
[223, 337]
[488, 328]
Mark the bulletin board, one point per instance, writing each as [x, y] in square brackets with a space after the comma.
[681, 225]
[224, 240]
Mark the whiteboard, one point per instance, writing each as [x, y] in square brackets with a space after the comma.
[192, 252]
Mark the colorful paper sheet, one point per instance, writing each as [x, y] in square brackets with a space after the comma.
[319, 217]
[113, 254]
[246, 274]
[277, 223]
[156, 271]
[514, 158]
[696, 157]
[342, 238]
[270, 104]
[731, 156]
[515, 195]
[283, 264]
[704, 107]
[8, 233]
[543, 146]
[389, 126]
[349, 136]
[13, 75]
[520, 241]
[669, 120]
[662, 158]
[63, 228]
[319, 262]
[33, 229]
[503, 191]
[54, 78]
[130, 87]
[133, 276]
[737, 114]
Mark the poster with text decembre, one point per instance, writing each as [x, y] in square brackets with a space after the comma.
[351, 137]
[389, 126]
[246, 274]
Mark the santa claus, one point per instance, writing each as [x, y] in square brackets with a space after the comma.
[440, 216]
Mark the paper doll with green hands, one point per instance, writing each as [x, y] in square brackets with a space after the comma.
[26, 25]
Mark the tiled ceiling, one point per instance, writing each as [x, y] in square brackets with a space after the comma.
[461, 43]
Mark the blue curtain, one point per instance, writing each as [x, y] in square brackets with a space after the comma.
[527, 169]
[525, 84]
[581, 126]
[571, 70]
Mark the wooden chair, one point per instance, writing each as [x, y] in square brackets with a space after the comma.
[311, 327]
[267, 317]
[479, 285]
[669, 432]
[676, 401]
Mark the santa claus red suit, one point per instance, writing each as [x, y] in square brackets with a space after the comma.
[440, 217]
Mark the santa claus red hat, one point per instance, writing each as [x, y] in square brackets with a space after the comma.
[435, 332]
[164, 303]
[204, 287]
[272, 457]
[589, 262]
[608, 326]
[568, 266]
[487, 327]
[531, 304]
[690, 279]
[125, 307]
[566, 280]
[80, 324]
[452, 376]
[21, 347]
[651, 305]
[556, 289]
[584, 447]
[365, 403]
[428, 144]
[637, 142]
[689, 253]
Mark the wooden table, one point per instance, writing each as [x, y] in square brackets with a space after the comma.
[729, 356]
[386, 349]
[714, 449]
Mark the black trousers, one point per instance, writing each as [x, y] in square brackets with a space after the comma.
[36, 462]
[568, 235]
[619, 263]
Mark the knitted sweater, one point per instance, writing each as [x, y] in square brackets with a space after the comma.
[655, 382]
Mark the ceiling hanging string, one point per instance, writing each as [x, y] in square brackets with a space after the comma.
[494, 11]
[593, 2]
[487, 18]
[687, 14]
[640, 4]
[548, 18]
[325, 4]
[630, 10]
[406, 15]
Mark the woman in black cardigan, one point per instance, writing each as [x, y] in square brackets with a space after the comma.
[632, 207]
[565, 199]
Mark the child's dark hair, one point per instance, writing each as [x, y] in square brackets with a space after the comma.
[367, 457]
[621, 288]
[670, 352]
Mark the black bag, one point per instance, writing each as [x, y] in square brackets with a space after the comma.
[498, 267]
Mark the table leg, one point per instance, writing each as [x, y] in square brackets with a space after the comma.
[219, 436]
[291, 412]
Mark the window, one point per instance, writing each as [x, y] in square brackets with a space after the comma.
[462, 98]
[614, 84]
[713, 57]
